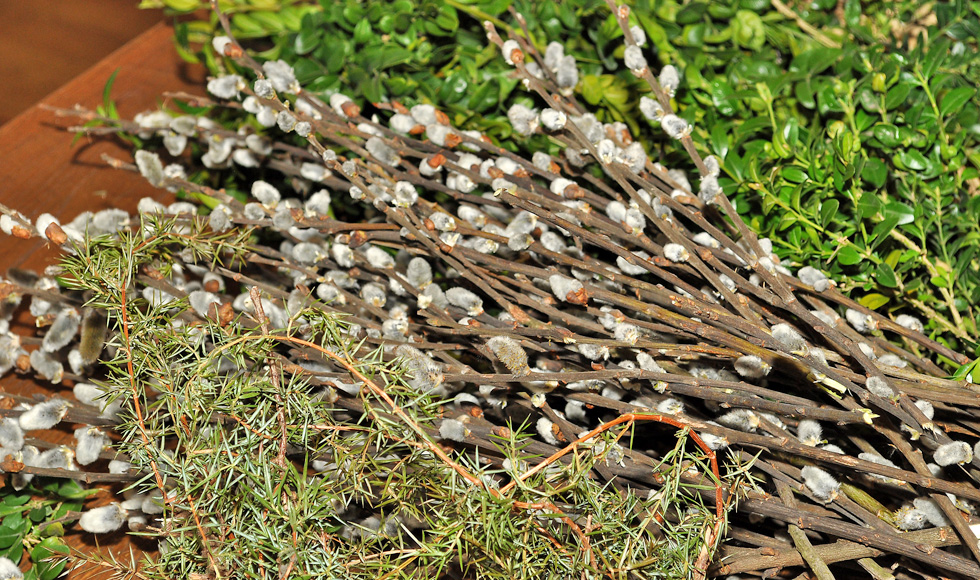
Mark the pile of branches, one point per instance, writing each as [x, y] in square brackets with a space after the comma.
[590, 293]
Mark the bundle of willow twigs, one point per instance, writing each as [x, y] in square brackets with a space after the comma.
[581, 292]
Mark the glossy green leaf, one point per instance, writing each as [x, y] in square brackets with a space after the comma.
[828, 211]
[955, 99]
[912, 159]
[875, 172]
[874, 301]
[897, 95]
[889, 135]
[885, 275]
[748, 29]
[721, 97]
[848, 256]
[794, 174]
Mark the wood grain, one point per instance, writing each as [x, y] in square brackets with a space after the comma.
[46, 44]
[40, 171]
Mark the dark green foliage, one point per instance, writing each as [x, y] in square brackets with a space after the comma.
[851, 144]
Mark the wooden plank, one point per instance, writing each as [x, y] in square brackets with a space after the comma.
[40, 171]
[47, 44]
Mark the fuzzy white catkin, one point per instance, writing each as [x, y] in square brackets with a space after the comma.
[117, 466]
[379, 258]
[9, 570]
[508, 50]
[670, 407]
[265, 193]
[546, 429]
[813, 277]
[933, 513]
[908, 518]
[675, 127]
[639, 35]
[452, 429]
[892, 360]
[821, 484]
[419, 273]
[879, 386]
[226, 86]
[150, 167]
[705, 239]
[741, 419]
[651, 109]
[405, 194]
[281, 75]
[91, 442]
[752, 367]
[709, 189]
[926, 407]
[648, 363]
[910, 322]
[62, 330]
[714, 442]
[553, 120]
[863, 323]
[43, 415]
[523, 119]
[669, 78]
[11, 435]
[711, 166]
[220, 43]
[567, 74]
[676, 253]
[104, 519]
[954, 453]
[562, 286]
[303, 129]
[465, 299]
[634, 59]
[201, 301]
[628, 333]
[787, 336]
[510, 352]
[809, 432]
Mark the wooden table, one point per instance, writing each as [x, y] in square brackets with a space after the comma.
[40, 171]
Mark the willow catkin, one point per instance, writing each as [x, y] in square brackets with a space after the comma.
[509, 352]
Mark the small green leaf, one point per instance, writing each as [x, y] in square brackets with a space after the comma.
[911, 159]
[53, 529]
[748, 30]
[885, 276]
[721, 97]
[591, 89]
[447, 18]
[794, 174]
[967, 372]
[848, 256]
[182, 5]
[888, 134]
[307, 40]
[935, 58]
[875, 172]
[900, 212]
[16, 499]
[52, 570]
[955, 99]
[873, 301]
[38, 514]
[828, 210]
[896, 95]
[869, 205]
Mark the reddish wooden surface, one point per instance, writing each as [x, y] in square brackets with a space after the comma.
[40, 171]
[46, 44]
